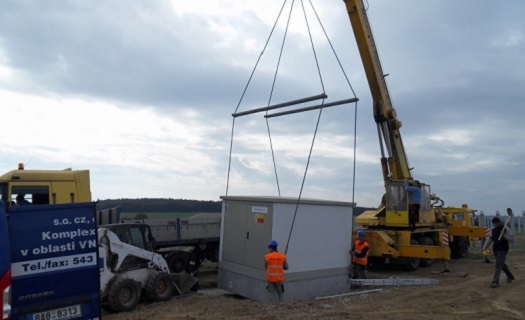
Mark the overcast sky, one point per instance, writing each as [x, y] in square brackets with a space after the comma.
[142, 93]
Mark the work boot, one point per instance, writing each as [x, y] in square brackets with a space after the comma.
[494, 285]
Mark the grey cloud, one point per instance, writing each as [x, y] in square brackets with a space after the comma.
[453, 66]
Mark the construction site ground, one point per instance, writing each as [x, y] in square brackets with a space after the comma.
[455, 297]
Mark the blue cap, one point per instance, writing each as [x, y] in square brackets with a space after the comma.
[272, 243]
[361, 234]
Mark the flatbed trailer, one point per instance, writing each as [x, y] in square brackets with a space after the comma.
[177, 238]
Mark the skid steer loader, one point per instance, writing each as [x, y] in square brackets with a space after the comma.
[129, 267]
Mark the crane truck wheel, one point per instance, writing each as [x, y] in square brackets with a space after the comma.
[124, 295]
[159, 287]
[463, 247]
[178, 261]
[426, 242]
[411, 264]
[459, 248]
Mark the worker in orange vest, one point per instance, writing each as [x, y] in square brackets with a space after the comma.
[359, 253]
[275, 263]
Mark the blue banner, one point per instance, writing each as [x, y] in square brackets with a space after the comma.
[5, 255]
[54, 256]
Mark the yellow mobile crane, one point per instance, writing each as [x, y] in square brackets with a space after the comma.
[387, 228]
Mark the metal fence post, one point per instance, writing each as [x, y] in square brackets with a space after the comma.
[513, 229]
[483, 223]
[519, 221]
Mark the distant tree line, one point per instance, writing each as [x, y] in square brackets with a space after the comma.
[161, 205]
[173, 205]
[358, 210]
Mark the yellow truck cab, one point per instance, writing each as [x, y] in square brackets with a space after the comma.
[35, 187]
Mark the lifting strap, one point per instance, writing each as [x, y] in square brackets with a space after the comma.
[319, 107]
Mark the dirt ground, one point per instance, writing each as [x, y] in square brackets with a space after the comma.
[454, 297]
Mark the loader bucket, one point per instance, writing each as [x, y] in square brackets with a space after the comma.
[184, 282]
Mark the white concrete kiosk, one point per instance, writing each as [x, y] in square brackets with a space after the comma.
[317, 251]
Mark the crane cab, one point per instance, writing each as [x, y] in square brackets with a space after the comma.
[397, 203]
[393, 211]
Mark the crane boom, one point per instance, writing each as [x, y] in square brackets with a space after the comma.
[394, 160]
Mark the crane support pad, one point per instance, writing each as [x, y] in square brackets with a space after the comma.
[394, 282]
[451, 274]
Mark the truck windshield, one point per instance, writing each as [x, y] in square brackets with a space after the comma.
[26, 195]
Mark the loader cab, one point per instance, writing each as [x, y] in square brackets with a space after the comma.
[41, 187]
[137, 235]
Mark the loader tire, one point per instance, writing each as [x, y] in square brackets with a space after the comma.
[178, 261]
[426, 242]
[124, 295]
[159, 287]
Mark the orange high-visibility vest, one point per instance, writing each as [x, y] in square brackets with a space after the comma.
[275, 262]
[359, 247]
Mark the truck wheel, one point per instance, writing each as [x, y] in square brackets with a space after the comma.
[159, 287]
[411, 264]
[463, 247]
[454, 250]
[426, 242]
[177, 261]
[459, 248]
[124, 295]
